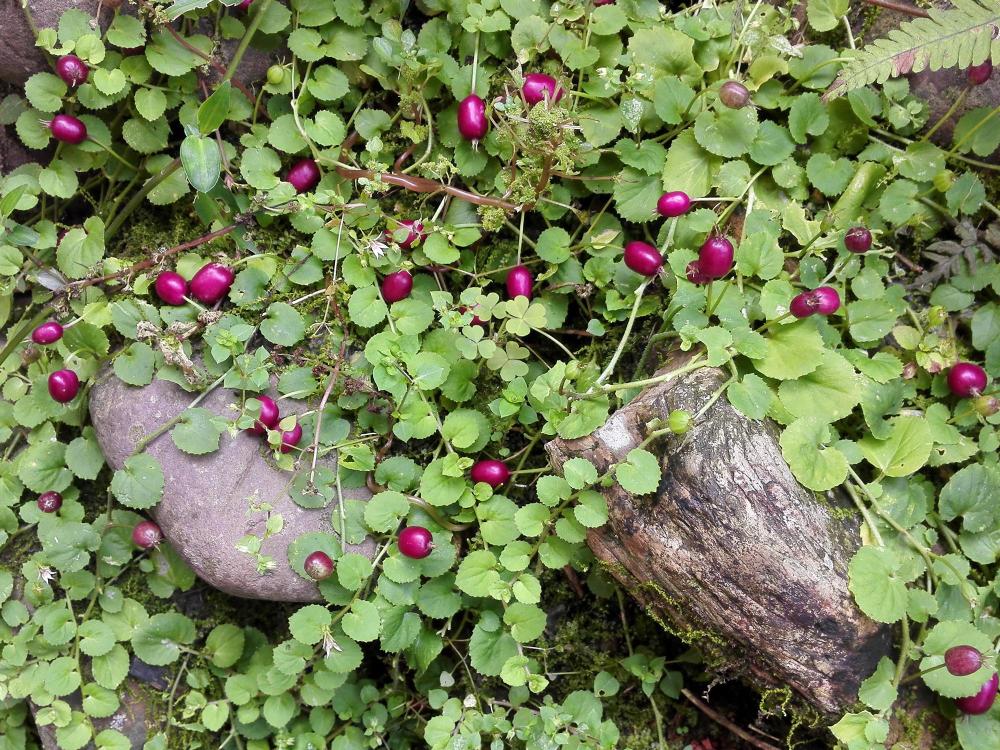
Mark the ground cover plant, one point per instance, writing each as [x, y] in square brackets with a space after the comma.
[458, 230]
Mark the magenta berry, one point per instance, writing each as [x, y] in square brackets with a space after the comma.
[49, 502]
[146, 534]
[318, 565]
[828, 300]
[268, 418]
[68, 129]
[472, 122]
[519, 282]
[72, 70]
[415, 542]
[211, 283]
[604, 2]
[643, 258]
[397, 286]
[966, 379]
[979, 74]
[715, 258]
[538, 87]
[290, 438]
[491, 471]
[171, 287]
[304, 175]
[48, 332]
[858, 239]
[734, 95]
[823, 300]
[694, 275]
[674, 203]
[245, 4]
[64, 385]
[962, 660]
[414, 235]
[982, 701]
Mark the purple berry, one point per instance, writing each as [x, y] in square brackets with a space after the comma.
[823, 300]
[675, 203]
[245, 4]
[68, 129]
[211, 283]
[734, 95]
[171, 287]
[47, 333]
[961, 661]
[694, 274]
[979, 74]
[472, 122]
[415, 542]
[519, 282]
[858, 239]
[318, 565]
[491, 471]
[290, 438]
[538, 87]
[397, 286]
[966, 379]
[715, 258]
[268, 418]
[49, 502]
[982, 701]
[304, 175]
[146, 534]
[415, 234]
[643, 258]
[64, 385]
[72, 70]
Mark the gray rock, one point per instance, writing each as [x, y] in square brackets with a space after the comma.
[206, 499]
[136, 717]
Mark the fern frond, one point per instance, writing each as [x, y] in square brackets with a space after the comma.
[954, 37]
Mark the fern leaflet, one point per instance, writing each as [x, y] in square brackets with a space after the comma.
[959, 36]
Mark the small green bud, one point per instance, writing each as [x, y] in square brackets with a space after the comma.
[679, 421]
[275, 75]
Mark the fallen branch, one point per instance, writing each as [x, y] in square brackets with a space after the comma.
[723, 721]
[909, 10]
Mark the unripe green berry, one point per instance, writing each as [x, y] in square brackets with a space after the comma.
[679, 421]
[275, 75]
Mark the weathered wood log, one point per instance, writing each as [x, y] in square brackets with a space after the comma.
[730, 546]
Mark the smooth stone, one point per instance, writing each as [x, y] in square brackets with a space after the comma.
[136, 717]
[206, 499]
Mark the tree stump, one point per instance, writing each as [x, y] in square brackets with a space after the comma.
[730, 546]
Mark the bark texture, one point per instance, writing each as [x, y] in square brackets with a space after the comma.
[731, 547]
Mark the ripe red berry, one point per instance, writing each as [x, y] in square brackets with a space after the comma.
[982, 701]
[211, 283]
[146, 534]
[68, 129]
[966, 379]
[734, 94]
[694, 274]
[858, 239]
[962, 660]
[675, 203]
[643, 258]
[397, 286]
[47, 333]
[715, 258]
[979, 74]
[245, 4]
[414, 235]
[171, 287]
[823, 300]
[519, 282]
[318, 565]
[290, 438]
[72, 70]
[304, 175]
[64, 385]
[415, 542]
[472, 122]
[268, 418]
[49, 502]
[538, 87]
[491, 471]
